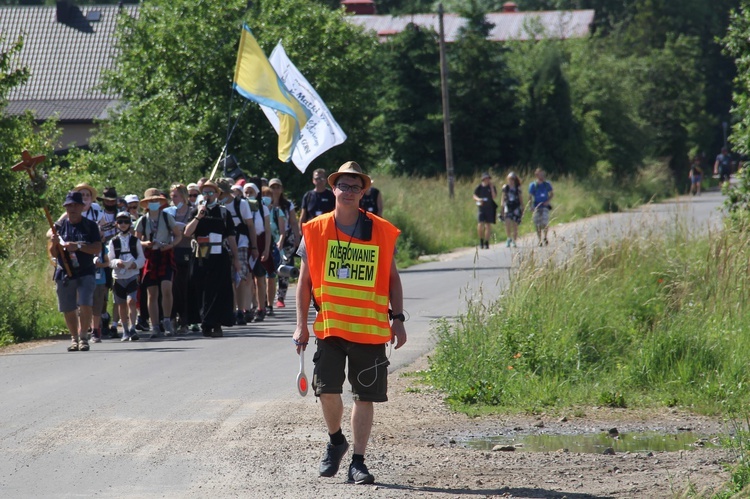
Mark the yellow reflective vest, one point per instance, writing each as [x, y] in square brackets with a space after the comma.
[350, 279]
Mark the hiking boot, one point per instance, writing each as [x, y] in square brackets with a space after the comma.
[141, 324]
[359, 474]
[239, 319]
[280, 303]
[83, 345]
[73, 346]
[259, 315]
[168, 327]
[331, 461]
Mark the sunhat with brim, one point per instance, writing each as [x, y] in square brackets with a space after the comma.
[109, 194]
[211, 185]
[350, 168]
[151, 195]
[223, 184]
[86, 186]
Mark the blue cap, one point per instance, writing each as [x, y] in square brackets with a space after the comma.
[73, 197]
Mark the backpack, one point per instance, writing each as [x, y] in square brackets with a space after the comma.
[147, 226]
[132, 246]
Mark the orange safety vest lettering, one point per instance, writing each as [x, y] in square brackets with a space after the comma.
[351, 281]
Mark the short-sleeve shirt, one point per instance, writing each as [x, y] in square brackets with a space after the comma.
[86, 232]
[540, 192]
[160, 227]
[317, 203]
[245, 214]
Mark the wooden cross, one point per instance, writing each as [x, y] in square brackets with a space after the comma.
[29, 164]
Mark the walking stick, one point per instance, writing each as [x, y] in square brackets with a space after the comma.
[28, 164]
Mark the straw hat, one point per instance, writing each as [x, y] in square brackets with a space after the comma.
[86, 186]
[153, 194]
[350, 168]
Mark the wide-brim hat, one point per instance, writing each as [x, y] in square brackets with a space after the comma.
[350, 168]
[212, 185]
[153, 194]
[84, 185]
[109, 194]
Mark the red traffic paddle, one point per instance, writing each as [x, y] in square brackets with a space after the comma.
[302, 377]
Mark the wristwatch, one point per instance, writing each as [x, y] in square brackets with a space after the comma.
[397, 316]
[79, 245]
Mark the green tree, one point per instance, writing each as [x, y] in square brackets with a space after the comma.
[174, 73]
[484, 115]
[409, 130]
[16, 134]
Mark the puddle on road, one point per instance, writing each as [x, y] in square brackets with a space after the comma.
[597, 443]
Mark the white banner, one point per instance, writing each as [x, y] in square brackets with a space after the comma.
[321, 131]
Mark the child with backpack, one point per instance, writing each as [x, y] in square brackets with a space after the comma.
[126, 261]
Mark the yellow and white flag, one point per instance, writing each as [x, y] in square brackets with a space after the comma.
[256, 80]
[321, 131]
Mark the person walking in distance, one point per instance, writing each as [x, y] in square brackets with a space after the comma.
[540, 194]
[348, 268]
[80, 241]
[484, 195]
[317, 201]
[372, 201]
[696, 176]
[512, 206]
[723, 166]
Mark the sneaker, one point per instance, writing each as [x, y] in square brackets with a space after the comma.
[195, 328]
[217, 332]
[240, 318]
[96, 336]
[280, 303]
[359, 474]
[259, 315]
[113, 333]
[508, 242]
[249, 316]
[513, 243]
[168, 327]
[207, 330]
[141, 325]
[125, 336]
[269, 311]
[83, 346]
[546, 242]
[155, 332]
[182, 330]
[331, 461]
[73, 346]
[133, 335]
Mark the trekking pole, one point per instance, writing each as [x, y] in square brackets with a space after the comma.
[28, 164]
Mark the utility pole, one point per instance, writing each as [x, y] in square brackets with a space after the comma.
[446, 106]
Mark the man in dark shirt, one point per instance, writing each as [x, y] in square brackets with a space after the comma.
[319, 200]
[78, 241]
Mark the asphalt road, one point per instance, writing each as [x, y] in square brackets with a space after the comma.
[104, 422]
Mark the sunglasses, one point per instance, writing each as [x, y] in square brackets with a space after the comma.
[192, 195]
[124, 221]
